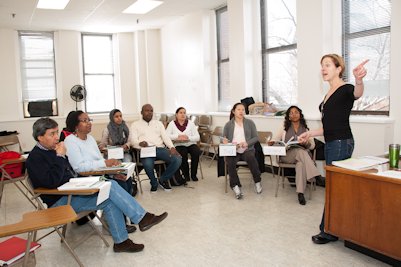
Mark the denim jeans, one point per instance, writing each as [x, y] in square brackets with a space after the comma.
[173, 163]
[114, 208]
[336, 150]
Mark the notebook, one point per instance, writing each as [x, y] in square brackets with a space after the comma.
[13, 249]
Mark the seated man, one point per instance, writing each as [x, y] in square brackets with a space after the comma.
[148, 132]
[48, 167]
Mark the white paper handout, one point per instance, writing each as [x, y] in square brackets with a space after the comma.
[115, 152]
[128, 167]
[274, 150]
[148, 152]
[93, 182]
[227, 150]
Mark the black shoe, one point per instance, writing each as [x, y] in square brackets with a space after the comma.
[195, 179]
[164, 185]
[84, 220]
[128, 246]
[187, 179]
[320, 239]
[320, 181]
[301, 199]
[130, 228]
[150, 220]
[153, 189]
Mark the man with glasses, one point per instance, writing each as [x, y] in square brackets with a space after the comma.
[48, 167]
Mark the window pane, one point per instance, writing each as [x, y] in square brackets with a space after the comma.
[100, 93]
[369, 14]
[281, 23]
[282, 78]
[223, 41]
[37, 66]
[98, 73]
[366, 27]
[224, 85]
[98, 56]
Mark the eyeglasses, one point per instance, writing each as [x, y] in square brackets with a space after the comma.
[86, 120]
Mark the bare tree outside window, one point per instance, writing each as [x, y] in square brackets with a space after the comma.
[366, 35]
[279, 52]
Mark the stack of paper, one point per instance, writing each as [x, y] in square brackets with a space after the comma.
[128, 167]
[360, 164]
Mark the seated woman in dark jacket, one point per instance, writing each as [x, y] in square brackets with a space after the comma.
[242, 132]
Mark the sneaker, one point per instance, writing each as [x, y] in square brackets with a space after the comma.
[258, 188]
[150, 220]
[128, 246]
[153, 189]
[237, 191]
[165, 186]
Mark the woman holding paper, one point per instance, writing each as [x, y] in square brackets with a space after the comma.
[184, 135]
[117, 134]
[335, 109]
[305, 170]
[241, 132]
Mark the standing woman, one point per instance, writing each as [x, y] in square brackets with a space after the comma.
[336, 109]
[242, 132]
[184, 135]
[305, 169]
[117, 134]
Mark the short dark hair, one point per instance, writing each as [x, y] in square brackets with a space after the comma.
[73, 121]
[40, 127]
[233, 109]
[68, 121]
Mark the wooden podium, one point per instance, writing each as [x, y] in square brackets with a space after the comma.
[364, 209]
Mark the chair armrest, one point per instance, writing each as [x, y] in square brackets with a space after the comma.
[47, 191]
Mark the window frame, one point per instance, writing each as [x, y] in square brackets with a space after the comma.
[346, 37]
[266, 51]
[24, 80]
[220, 60]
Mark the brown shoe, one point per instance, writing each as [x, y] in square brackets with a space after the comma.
[150, 220]
[128, 246]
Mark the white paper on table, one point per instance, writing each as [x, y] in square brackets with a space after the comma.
[129, 168]
[227, 150]
[148, 152]
[115, 152]
[104, 192]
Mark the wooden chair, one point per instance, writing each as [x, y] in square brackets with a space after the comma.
[41, 219]
[137, 157]
[6, 178]
[281, 168]
[37, 192]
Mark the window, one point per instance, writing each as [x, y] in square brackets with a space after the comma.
[366, 35]
[223, 60]
[98, 73]
[38, 73]
[279, 52]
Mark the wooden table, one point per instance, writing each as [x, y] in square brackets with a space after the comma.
[364, 209]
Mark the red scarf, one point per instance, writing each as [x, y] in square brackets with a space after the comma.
[181, 127]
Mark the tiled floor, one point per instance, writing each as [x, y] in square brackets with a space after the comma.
[207, 227]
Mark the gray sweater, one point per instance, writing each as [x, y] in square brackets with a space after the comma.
[251, 135]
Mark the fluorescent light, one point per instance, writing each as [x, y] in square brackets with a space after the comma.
[52, 4]
[142, 6]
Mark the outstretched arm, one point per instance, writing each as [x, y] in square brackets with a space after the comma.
[359, 73]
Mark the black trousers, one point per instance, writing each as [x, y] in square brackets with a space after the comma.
[249, 157]
[195, 152]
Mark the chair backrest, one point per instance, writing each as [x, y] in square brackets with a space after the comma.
[205, 121]
[194, 119]
[264, 137]
[10, 140]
